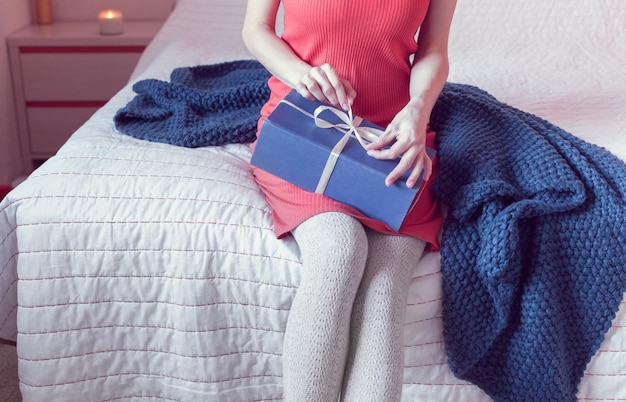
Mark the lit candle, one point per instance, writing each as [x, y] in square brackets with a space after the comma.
[111, 22]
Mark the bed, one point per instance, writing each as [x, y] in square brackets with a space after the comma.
[135, 270]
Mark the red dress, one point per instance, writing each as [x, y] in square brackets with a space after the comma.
[369, 43]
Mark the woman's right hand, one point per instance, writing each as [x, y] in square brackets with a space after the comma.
[317, 82]
[324, 84]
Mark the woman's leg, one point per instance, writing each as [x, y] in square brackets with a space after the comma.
[333, 249]
[375, 366]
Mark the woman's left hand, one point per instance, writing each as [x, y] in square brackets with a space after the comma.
[407, 136]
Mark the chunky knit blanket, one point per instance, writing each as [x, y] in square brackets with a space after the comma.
[534, 246]
[200, 106]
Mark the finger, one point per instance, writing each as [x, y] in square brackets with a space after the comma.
[425, 169]
[403, 165]
[385, 139]
[428, 167]
[395, 151]
[350, 91]
[337, 84]
[304, 91]
[319, 75]
[310, 84]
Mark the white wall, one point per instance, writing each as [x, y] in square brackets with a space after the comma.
[15, 14]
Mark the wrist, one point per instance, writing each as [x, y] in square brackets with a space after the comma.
[419, 107]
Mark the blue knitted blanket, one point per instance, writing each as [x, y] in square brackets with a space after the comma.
[534, 246]
[204, 105]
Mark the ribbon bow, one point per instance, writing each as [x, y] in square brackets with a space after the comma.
[350, 127]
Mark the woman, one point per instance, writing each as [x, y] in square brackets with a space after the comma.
[344, 332]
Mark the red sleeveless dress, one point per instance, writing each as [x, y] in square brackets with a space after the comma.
[369, 43]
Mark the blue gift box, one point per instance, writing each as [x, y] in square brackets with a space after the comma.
[293, 147]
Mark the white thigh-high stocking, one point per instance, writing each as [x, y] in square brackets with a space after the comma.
[375, 366]
[333, 249]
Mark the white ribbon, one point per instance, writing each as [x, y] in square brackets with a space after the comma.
[351, 127]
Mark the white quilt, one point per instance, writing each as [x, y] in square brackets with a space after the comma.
[132, 270]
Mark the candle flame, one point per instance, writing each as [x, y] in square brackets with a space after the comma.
[110, 14]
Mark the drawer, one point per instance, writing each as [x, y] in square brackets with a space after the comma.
[75, 74]
[50, 127]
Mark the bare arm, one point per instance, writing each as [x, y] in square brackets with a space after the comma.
[312, 82]
[430, 66]
[260, 37]
[407, 131]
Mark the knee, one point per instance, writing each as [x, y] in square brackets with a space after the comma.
[345, 240]
[395, 249]
[392, 258]
[344, 237]
[335, 241]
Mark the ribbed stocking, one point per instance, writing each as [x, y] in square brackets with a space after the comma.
[349, 307]
[375, 368]
[333, 249]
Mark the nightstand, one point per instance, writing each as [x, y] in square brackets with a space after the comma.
[63, 72]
